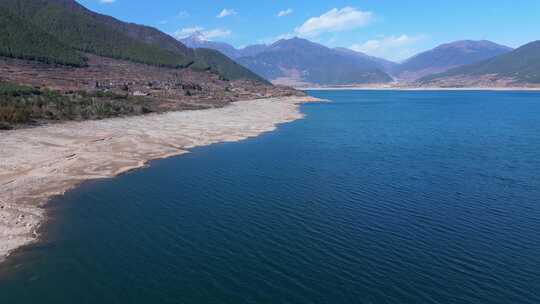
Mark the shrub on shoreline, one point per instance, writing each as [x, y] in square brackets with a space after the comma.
[23, 105]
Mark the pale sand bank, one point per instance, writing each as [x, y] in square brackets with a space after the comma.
[38, 163]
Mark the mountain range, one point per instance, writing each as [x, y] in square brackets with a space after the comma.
[63, 32]
[198, 40]
[448, 56]
[296, 61]
[518, 67]
[299, 62]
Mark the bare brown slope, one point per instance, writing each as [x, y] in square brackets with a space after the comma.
[157, 89]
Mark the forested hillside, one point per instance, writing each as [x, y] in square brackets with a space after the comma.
[224, 66]
[66, 22]
[20, 39]
[83, 33]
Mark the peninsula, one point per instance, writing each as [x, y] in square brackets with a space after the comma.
[39, 163]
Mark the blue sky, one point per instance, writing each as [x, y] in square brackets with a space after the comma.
[384, 28]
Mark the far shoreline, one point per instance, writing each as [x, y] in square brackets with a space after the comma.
[524, 89]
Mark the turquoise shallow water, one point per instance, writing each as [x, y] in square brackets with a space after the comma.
[377, 197]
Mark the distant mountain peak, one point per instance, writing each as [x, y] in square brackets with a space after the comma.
[199, 40]
[472, 44]
[448, 56]
[516, 68]
[298, 39]
[198, 36]
[297, 61]
[295, 40]
[297, 43]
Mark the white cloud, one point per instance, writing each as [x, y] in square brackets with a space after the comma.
[107, 1]
[335, 20]
[391, 47]
[187, 31]
[182, 15]
[203, 34]
[285, 12]
[227, 12]
[216, 33]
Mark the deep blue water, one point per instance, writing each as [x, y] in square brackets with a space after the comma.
[377, 197]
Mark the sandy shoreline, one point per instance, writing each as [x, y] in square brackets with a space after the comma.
[38, 163]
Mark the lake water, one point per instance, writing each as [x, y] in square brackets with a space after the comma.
[377, 197]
